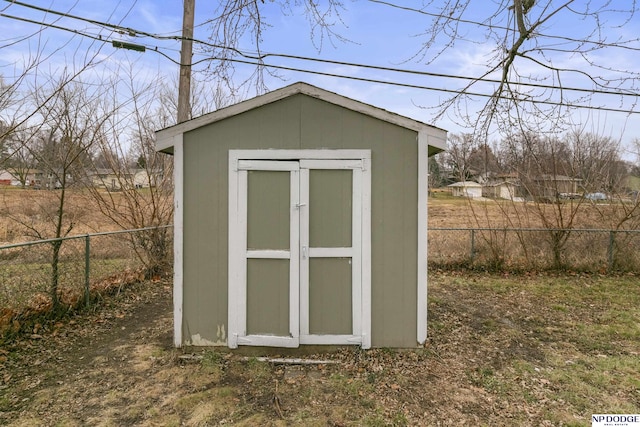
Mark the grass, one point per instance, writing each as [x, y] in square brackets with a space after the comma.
[551, 349]
[588, 348]
[535, 349]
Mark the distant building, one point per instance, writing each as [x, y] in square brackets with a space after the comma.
[116, 181]
[16, 177]
[108, 179]
[500, 190]
[6, 178]
[550, 186]
[469, 189]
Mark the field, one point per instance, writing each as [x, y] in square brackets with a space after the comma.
[444, 211]
[530, 349]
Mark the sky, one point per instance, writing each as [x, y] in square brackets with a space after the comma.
[374, 33]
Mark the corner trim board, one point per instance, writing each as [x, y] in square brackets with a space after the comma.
[423, 192]
[178, 227]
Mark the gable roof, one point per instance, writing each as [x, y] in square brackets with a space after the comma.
[164, 137]
[501, 183]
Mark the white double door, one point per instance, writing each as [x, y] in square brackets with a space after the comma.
[298, 273]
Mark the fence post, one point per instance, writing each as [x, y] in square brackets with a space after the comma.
[87, 266]
[610, 254]
[473, 244]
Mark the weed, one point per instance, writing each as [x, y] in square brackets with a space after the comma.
[257, 370]
[489, 380]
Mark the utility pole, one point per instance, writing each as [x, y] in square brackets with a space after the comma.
[184, 84]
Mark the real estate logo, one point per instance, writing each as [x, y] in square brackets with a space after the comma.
[615, 420]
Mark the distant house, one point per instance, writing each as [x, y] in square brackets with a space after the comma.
[16, 177]
[6, 178]
[50, 180]
[552, 186]
[144, 178]
[469, 189]
[107, 179]
[500, 190]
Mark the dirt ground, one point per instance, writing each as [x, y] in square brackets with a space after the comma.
[85, 370]
[531, 351]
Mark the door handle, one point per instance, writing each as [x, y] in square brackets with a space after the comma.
[304, 252]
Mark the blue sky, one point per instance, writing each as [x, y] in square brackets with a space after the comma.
[378, 35]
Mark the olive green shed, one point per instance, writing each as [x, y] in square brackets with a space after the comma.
[300, 219]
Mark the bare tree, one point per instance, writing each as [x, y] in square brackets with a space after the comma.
[555, 173]
[597, 161]
[458, 155]
[239, 21]
[21, 162]
[531, 54]
[138, 194]
[483, 162]
[436, 176]
[70, 120]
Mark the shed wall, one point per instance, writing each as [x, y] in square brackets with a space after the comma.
[301, 122]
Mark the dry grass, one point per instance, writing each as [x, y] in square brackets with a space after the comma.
[529, 350]
[448, 211]
[34, 208]
[589, 249]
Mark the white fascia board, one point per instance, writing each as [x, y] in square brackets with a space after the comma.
[364, 108]
[318, 154]
[229, 111]
[164, 142]
[430, 137]
[435, 137]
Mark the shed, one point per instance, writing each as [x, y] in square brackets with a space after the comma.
[466, 189]
[300, 218]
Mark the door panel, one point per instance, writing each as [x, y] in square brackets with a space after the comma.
[268, 297]
[268, 209]
[330, 299]
[330, 288]
[330, 208]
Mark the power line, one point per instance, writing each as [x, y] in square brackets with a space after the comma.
[135, 33]
[57, 27]
[258, 61]
[498, 27]
[68, 15]
[415, 86]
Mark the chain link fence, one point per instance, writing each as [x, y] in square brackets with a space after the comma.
[35, 276]
[535, 249]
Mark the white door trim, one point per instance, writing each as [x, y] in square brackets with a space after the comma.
[239, 253]
[242, 160]
[354, 252]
